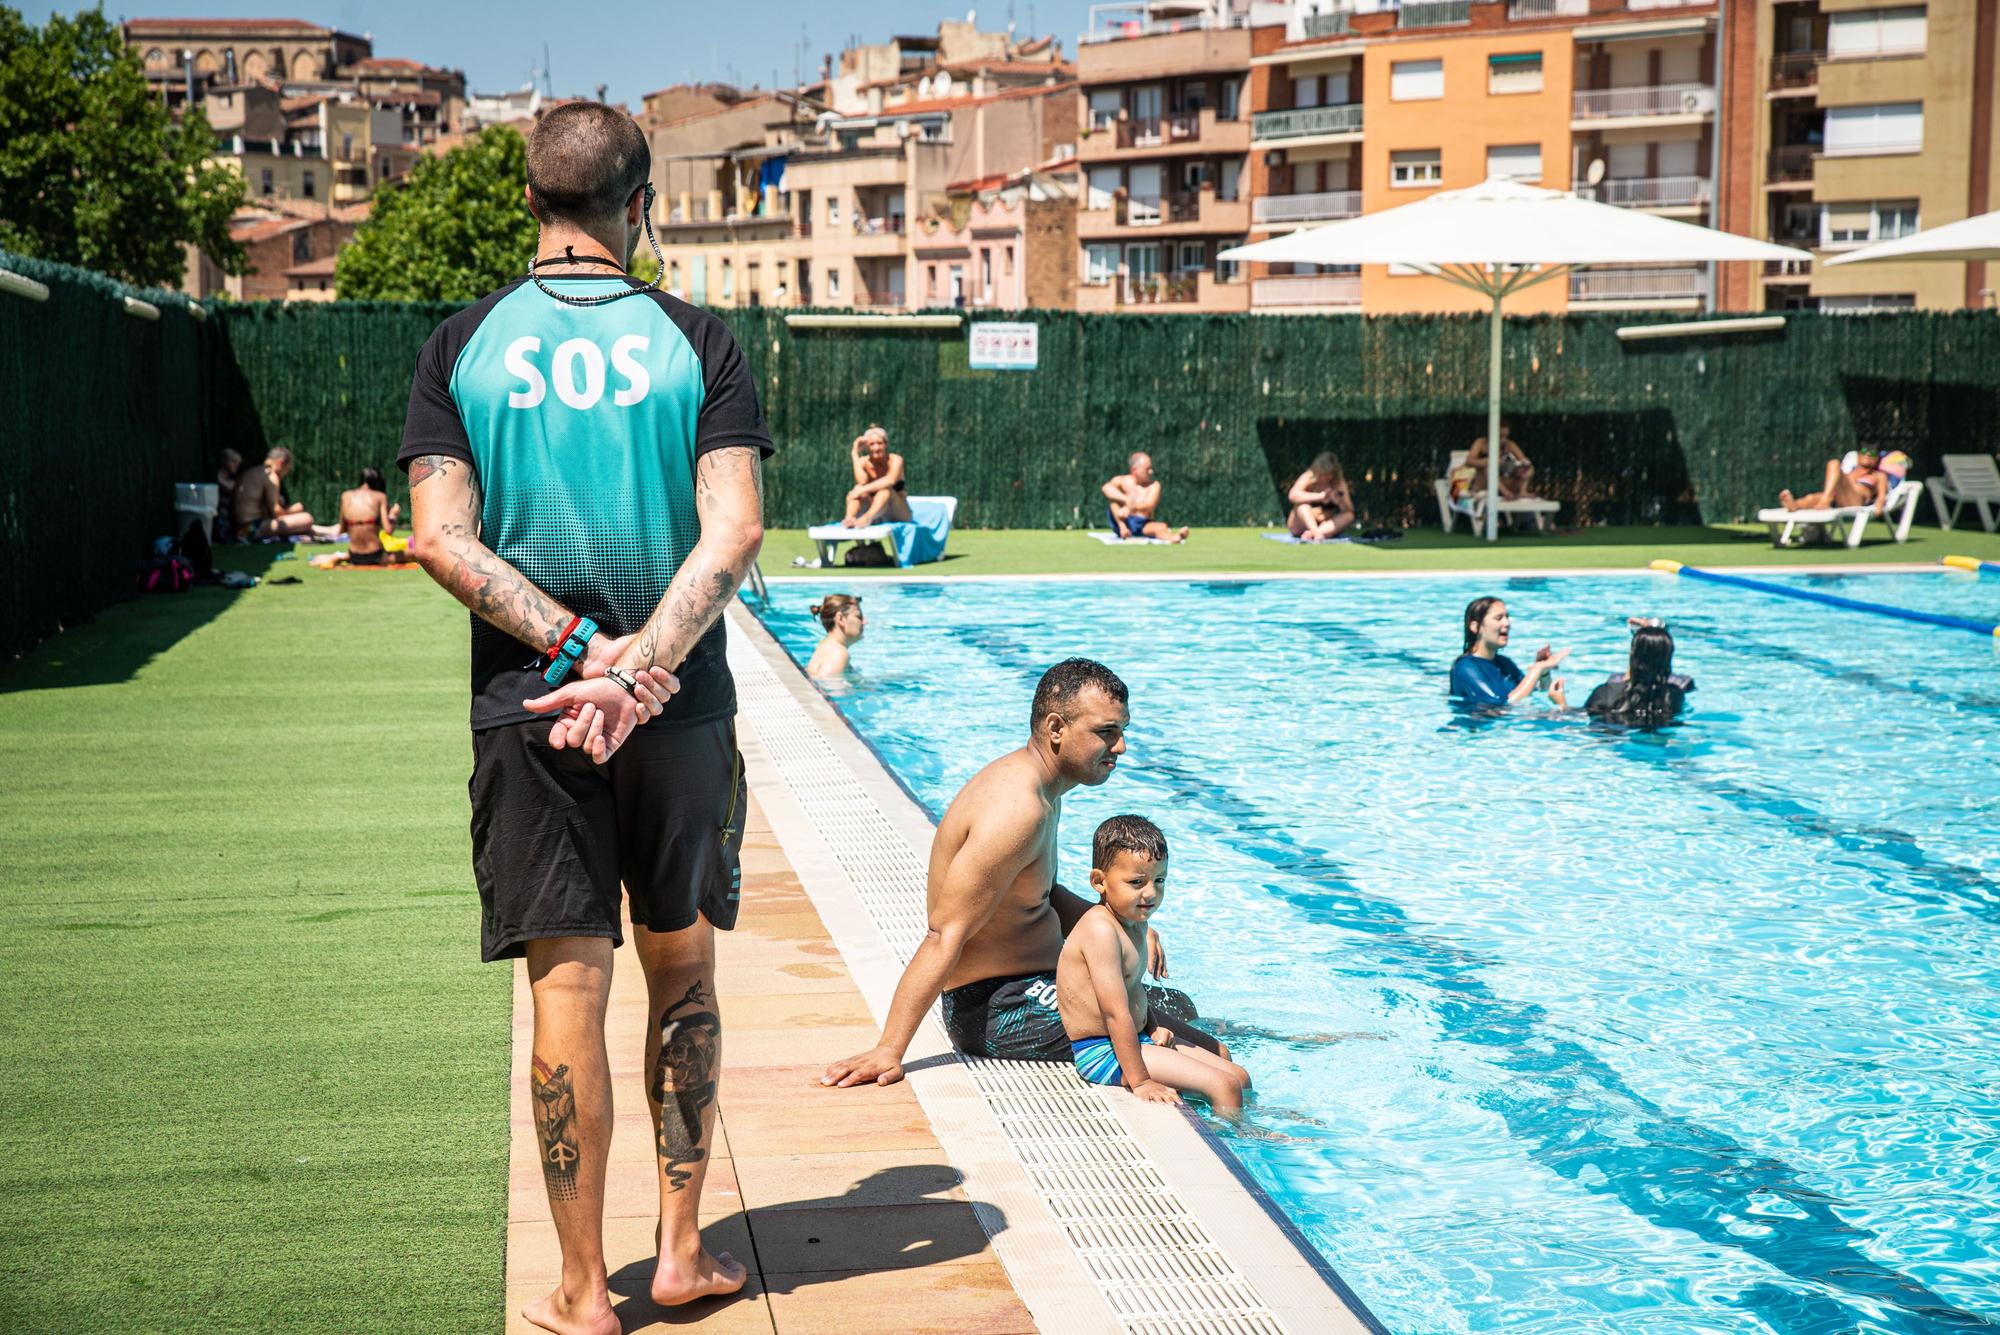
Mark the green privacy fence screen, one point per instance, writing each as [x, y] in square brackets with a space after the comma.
[1681, 430]
[1232, 407]
[104, 412]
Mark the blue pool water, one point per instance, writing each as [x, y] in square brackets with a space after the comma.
[1697, 1031]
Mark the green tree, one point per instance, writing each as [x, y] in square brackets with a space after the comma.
[457, 229]
[93, 171]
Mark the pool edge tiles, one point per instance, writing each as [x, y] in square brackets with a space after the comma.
[808, 575]
[1121, 1227]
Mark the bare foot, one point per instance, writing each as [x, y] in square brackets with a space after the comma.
[1182, 536]
[1785, 499]
[589, 1316]
[677, 1282]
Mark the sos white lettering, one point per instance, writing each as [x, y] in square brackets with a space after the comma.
[578, 357]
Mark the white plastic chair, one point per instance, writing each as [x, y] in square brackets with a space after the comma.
[1473, 504]
[1844, 522]
[1969, 479]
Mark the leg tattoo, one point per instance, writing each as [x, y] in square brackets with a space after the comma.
[555, 1125]
[684, 1080]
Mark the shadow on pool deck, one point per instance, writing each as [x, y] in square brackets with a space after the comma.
[114, 645]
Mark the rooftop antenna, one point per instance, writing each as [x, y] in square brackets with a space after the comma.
[548, 80]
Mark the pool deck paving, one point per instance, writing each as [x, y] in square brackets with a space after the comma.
[842, 1204]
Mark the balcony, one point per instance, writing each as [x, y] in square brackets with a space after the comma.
[1171, 48]
[1182, 128]
[1547, 9]
[1795, 71]
[891, 225]
[1286, 210]
[1433, 13]
[1328, 289]
[1634, 285]
[1787, 271]
[1158, 289]
[1306, 122]
[1128, 29]
[1676, 100]
[1651, 192]
[1337, 24]
[1163, 136]
[1792, 164]
[1183, 213]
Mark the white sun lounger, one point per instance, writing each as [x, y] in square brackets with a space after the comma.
[1843, 523]
[828, 537]
[1969, 479]
[1473, 506]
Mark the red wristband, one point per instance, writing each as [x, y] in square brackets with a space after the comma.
[563, 638]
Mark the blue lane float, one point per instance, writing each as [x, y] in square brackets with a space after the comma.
[1831, 599]
[1972, 563]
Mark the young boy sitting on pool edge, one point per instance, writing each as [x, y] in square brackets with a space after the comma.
[1104, 1008]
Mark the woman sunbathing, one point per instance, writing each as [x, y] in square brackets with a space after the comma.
[877, 496]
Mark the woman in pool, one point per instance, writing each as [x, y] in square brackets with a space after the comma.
[1485, 676]
[1647, 695]
[841, 615]
[878, 495]
[1321, 505]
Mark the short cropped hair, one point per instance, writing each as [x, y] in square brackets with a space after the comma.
[584, 161]
[1060, 685]
[1126, 834]
[278, 454]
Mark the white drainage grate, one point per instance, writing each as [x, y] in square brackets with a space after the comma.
[1156, 1265]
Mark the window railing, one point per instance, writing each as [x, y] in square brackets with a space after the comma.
[1151, 132]
[1336, 24]
[1793, 162]
[1269, 210]
[1586, 285]
[1794, 271]
[1650, 192]
[1545, 9]
[892, 225]
[1674, 99]
[1328, 289]
[1796, 69]
[1433, 13]
[1131, 28]
[1158, 289]
[1306, 121]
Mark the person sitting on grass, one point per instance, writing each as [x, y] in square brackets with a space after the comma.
[1322, 507]
[258, 509]
[1648, 694]
[367, 517]
[1134, 497]
[1105, 1009]
[1862, 483]
[1485, 676]
[1517, 475]
[841, 615]
[877, 496]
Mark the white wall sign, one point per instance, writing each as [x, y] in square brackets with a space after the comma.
[997, 346]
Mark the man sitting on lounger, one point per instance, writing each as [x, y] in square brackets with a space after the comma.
[1134, 497]
[997, 918]
[1865, 485]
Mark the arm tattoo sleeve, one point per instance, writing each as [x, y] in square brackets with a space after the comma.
[554, 1097]
[474, 575]
[702, 588]
[683, 1085]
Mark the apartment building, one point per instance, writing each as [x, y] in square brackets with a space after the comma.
[332, 149]
[1007, 242]
[1362, 107]
[1855, 123]
[807, 198]
[1163, 151]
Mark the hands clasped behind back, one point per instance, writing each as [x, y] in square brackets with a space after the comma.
[596, 713]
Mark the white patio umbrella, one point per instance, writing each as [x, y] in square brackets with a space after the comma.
[1500, 238]
[1968, 239]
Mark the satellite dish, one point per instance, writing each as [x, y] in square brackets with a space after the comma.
[1595, 172]
[942, 84]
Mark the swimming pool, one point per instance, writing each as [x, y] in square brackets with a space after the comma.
[1554, 1029]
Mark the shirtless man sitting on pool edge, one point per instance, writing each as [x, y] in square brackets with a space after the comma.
[997, 918]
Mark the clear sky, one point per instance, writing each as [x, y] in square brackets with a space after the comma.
[631, 49]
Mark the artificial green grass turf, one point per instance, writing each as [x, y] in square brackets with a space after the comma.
[977, 552]
[259, 1076]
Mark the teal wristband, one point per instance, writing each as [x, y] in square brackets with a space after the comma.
[573, 647]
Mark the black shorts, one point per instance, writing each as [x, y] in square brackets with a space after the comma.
[1016, 1018]
[374, 558]
[554, 835]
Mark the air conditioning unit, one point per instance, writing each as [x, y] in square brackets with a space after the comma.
[1698, 101]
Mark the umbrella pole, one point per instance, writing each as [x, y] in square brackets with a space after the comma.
[1493, 428]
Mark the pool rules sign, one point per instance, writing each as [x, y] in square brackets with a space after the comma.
[997, 346]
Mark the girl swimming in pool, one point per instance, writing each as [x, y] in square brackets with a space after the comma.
[1648, 694]
[844, 623]
[1485, 676]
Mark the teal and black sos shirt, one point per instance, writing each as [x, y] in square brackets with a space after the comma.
[582, 425]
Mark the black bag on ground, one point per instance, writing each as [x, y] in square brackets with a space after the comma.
[867, 554]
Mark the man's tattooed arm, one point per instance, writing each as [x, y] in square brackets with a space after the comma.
[444, 535]
[683, 1084]
[729, 497]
